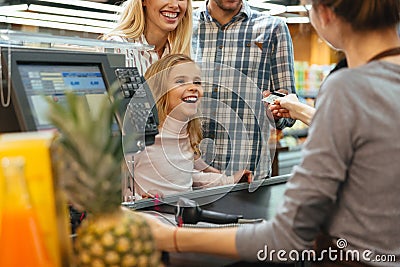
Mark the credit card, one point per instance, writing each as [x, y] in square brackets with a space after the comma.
[271, 98]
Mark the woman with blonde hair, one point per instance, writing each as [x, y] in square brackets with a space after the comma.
[166, 25]
[173, 164]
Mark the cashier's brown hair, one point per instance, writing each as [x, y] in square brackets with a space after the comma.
[156, 77]
[364, 15]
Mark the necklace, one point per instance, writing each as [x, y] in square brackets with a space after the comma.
[389, 52]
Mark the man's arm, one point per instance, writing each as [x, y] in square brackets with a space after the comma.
[282, 67]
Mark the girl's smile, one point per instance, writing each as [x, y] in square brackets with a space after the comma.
[185, 90]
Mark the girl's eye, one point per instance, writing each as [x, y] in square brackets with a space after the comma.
[180, 81]
[197, 82]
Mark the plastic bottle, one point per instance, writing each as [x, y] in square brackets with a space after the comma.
[21, 239]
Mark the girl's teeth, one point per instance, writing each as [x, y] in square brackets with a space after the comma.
[190, 99]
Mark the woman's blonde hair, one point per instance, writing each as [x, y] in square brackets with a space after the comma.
[156, 76]
[132, 24]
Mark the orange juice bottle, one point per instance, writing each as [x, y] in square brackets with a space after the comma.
[21, 239]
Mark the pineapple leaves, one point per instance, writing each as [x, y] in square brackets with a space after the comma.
[93, 152]
[86, 134]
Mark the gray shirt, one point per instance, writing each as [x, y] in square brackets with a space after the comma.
[347, 184]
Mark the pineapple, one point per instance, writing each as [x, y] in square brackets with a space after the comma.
[88, 163]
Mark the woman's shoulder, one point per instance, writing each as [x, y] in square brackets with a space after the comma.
[357, 84]
[358, 77]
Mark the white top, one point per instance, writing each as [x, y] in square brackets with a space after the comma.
[168, 164]
[141, 59]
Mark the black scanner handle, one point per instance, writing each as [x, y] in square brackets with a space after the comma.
[189, 212]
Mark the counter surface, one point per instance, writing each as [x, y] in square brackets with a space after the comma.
[260, 200]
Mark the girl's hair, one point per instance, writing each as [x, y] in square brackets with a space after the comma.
[156, 76]
[132, 23]
[365, 14]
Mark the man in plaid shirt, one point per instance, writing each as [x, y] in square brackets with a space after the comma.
[243, 53]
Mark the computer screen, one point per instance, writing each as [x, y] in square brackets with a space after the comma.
[49, 80]
[38, 73]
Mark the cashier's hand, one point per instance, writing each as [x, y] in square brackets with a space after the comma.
[275, 115]
[243, 176]
[283, 106]
[163, 234]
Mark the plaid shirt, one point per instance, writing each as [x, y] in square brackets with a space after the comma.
[255, 45]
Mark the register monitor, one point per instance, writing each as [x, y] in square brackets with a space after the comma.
[36, 73]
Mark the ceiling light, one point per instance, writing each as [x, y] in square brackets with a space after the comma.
[297, 20]
[273, 9]
[62, 19]
[87, 4]
[72, 12]
[52, 24]
[14, 8]
[297, 8]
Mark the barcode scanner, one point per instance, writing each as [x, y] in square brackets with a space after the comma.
[189, 212]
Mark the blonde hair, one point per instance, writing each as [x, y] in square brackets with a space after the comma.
[157, 85]
[132, 24]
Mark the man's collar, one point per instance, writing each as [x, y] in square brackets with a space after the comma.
[244, 12]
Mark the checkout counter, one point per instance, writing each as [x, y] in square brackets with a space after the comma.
[258, 200]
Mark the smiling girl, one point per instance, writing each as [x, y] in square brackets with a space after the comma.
[164, 24]
[169, 166]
